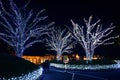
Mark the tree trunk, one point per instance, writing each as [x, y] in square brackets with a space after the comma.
[19, 55]
[89, 55]
[59, 54]
[58, 57]
[19, 51]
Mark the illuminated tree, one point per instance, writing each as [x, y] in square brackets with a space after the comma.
[59, 41]
[90, 37]
[21, 28]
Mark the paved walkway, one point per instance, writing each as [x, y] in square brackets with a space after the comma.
[53, 75]
[59, 74]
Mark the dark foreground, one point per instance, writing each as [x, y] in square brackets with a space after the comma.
[57, 74]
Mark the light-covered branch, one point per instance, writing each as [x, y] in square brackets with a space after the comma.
[20, 25]
[91, 35]
[59, 41]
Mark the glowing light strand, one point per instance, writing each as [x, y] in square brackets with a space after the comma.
[59, 41]
[20, 25]
[90, 37]
[88, 67]
[30, 76]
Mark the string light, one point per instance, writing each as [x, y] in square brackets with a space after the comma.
[19, 29]
[91, 35]
[30, 76]
[60, 41]
[88, 67]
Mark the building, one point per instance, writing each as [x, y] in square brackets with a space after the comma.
[41, 59]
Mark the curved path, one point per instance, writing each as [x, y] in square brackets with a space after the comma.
[60, 74]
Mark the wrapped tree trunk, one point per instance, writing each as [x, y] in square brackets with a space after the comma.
[20, 25]
[60, 41]
[90, 37]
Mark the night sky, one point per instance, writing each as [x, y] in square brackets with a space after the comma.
[61, 11]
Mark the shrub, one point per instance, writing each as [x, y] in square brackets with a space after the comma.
[83, 62]
[14, 66]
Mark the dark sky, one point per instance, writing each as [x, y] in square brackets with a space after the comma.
[61, 11]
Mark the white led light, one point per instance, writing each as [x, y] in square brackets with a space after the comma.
[60, 41]
[19, 35]
[30, 76]
[91, 35]
[89, 67]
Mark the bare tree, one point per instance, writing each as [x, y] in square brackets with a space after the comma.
[90, 37]
[18, 26]
[59, 41]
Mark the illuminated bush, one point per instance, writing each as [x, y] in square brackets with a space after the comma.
[83, 62]
[12, 66]
[95, 65]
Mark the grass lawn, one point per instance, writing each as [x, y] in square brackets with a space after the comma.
[12, 66]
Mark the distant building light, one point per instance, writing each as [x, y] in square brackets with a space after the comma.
[38, 59]
[94, 58]
[77, 57]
